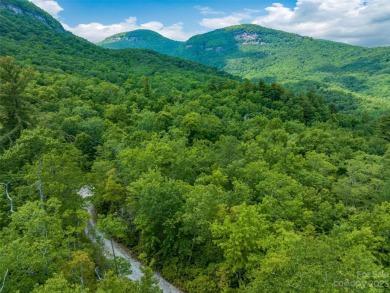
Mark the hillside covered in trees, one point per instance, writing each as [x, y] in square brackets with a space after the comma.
[220, 184]
[351, 76]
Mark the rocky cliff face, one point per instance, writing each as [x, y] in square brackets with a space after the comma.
[37, 14]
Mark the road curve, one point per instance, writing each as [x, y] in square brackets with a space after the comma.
[136, 273]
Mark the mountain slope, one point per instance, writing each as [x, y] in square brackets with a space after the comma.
[255, 52]
[28, 11]
[220, 185]
[30, 35]
[141, 39]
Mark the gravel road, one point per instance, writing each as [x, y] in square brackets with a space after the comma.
[136, 274]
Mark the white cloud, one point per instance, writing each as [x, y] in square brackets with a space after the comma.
[96, 32]
[49, 6]
[221, 22]
[205, 10]
[233, 19]
[358, 22]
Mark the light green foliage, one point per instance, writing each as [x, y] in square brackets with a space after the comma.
[221, 185]
[52, 175]
[241, 236]
[364, 181]
[201, 208]
[156, 202]
[155, 154]
[80, 269]
[147, 283]
[32, 244]
[114, 192]
[114, 284]
[309, 265]
[58, 284]
[112, 226]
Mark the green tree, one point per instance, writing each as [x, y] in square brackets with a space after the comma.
[55, 175]
[146, 87]
[155, 202]
[201, 207]
[363, 182]
[383, 127]
[59, 284]
[32, 245]
[112, 226]
[119, 284]
[113, 283]
[15, 105]
[242, 235]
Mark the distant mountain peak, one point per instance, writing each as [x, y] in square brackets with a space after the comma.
[142, 39]
[137, 35]
[256, 52]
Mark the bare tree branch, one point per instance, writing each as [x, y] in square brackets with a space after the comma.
[42, 197]
[5, 276]
[6, 186]
[97, 273]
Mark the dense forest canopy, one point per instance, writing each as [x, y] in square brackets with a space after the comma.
[220, 184]
[352, 77]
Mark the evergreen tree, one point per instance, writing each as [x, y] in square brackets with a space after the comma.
[15, 107]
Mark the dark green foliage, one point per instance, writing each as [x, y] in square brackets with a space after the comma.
[335, 70]
[26, 37]
[27, 12]
[384, 127]
[222, 185]
[15, 105]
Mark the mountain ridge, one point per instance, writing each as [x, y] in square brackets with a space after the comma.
[141, 39]
[221, 185]
[48, 47]
[256, 52]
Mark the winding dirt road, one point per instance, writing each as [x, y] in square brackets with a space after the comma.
[136, 273]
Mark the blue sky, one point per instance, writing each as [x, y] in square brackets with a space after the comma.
[358, 22]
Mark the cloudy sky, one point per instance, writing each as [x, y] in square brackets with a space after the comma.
[357, 22]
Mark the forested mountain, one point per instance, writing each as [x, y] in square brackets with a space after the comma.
[30, 34]
[301, 63]
[221, 185]
[142, 39]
